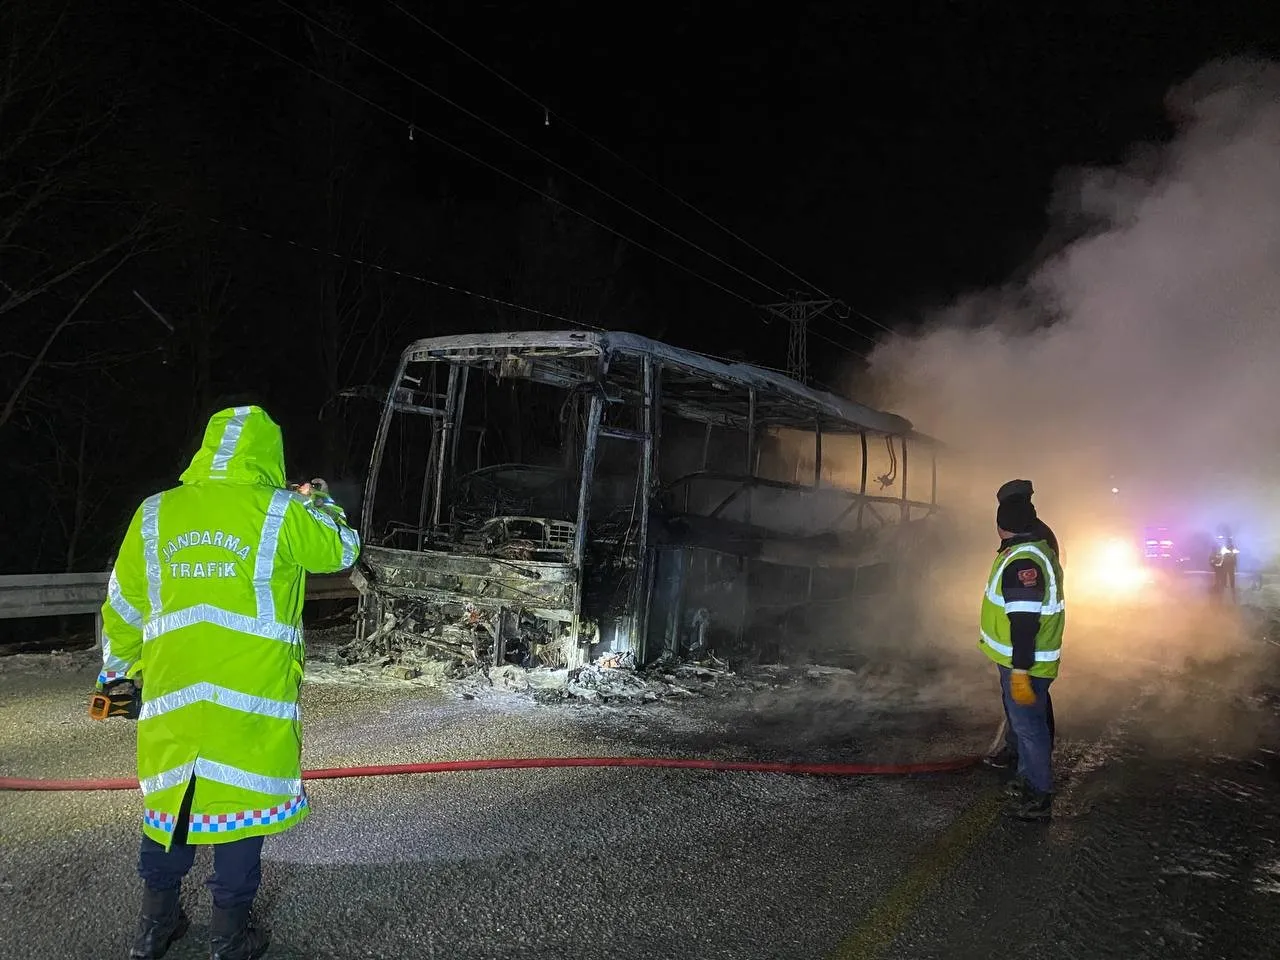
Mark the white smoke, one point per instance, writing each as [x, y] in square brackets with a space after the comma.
[1141, 355]
[1140, 351]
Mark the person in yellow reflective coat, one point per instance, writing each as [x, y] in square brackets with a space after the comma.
[204, 608]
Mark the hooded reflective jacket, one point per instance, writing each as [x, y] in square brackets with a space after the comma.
[204, 605]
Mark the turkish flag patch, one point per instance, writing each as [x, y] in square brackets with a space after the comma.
[1029, 576]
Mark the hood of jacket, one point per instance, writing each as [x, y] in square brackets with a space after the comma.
[241, 445]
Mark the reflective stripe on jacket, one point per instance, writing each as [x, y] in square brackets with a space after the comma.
[995, 640]
[205, 606]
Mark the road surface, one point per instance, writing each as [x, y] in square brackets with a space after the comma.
[1166, 844]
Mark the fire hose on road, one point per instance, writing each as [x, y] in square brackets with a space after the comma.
[123, 702]
[525, 763]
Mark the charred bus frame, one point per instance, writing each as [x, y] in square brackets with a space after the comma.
[570, 575]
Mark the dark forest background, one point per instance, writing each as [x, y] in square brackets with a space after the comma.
[184, 215]
[170, 212]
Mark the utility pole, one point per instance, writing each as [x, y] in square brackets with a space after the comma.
[798, 311]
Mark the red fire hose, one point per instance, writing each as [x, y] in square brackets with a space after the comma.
[521, 763]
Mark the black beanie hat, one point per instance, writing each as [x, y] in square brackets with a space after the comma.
[1016, 515]
[1014, 488]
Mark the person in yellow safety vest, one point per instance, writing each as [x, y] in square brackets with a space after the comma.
[1022, 619]
[204, 608]
[1005, 757]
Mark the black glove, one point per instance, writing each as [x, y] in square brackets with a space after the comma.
[121, 698]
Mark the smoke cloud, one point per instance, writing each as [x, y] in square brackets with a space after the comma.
[1140, 356]
[1131, 373]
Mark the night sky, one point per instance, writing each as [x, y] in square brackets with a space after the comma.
[892, 154]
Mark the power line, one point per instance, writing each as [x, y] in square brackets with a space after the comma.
[868, 318]
[835, 343]
[548, 112]
[405, 274]
[798, 312]
[750, 363]
[854, 330]
[441, 140]
[516, 140]
[408, 123]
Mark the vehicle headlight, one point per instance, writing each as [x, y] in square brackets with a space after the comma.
[1116, 566]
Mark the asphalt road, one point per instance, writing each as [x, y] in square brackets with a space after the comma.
[1167, 841]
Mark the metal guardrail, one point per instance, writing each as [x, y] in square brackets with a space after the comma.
[66, 594]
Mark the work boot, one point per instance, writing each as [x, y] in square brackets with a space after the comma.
[161, 922]
[231, 937]
[1002, 759]
[1031, 806]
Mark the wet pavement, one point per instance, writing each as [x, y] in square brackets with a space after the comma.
[1156, 850]
[1166, 841]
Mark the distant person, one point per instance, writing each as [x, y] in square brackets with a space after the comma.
[1015, 491]
[1023, 615]
[1230, 562]
[1223, 562]
[204, 608]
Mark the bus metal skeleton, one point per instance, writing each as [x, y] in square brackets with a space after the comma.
[546, 497]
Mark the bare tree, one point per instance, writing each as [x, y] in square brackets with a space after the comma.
[212, 306]
[76, 478]
[351, 331]
[34, 361]
[64, 232]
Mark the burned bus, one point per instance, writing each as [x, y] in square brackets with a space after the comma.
[550, 497]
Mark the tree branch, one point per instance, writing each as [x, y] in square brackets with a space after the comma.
[12, 403]
[44, 286]
[16, 73]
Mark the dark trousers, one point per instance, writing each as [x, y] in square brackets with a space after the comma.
[1224, 581]
[237, 865]
[1033, 727]
[1011, 738]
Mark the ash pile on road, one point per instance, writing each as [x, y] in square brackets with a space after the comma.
[613, 678]
[334, 657]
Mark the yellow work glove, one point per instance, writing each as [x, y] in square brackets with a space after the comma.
[1021, 689]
